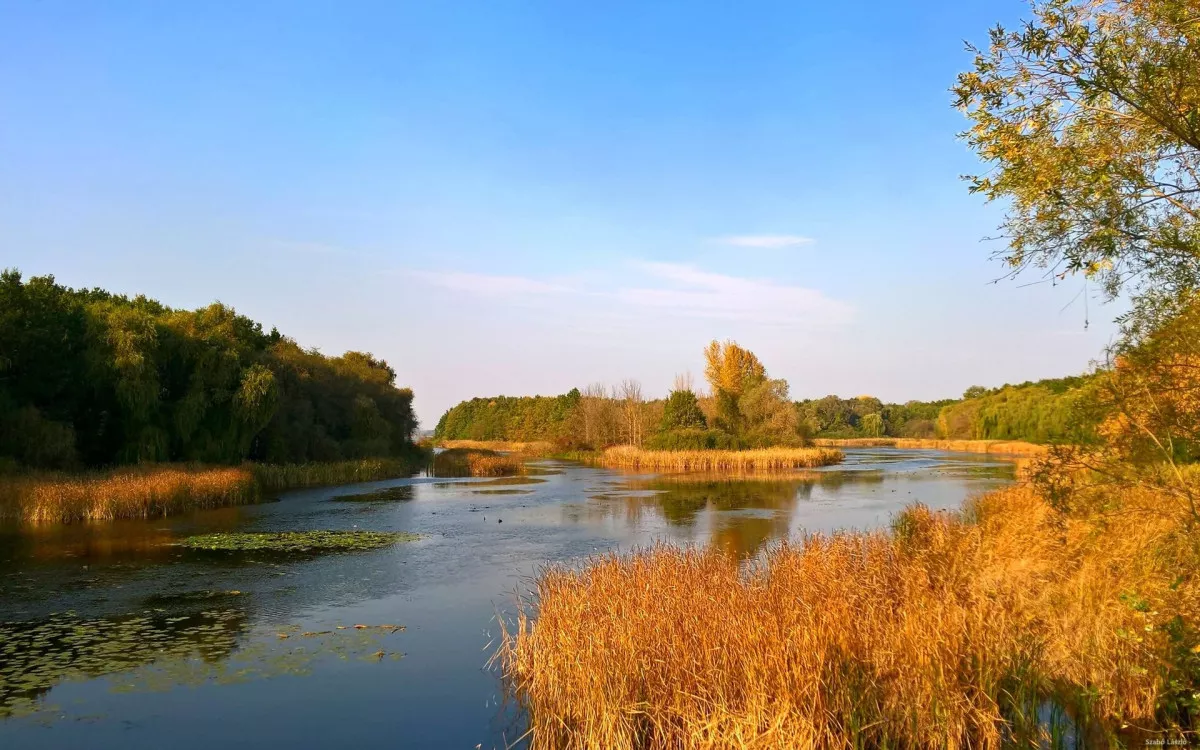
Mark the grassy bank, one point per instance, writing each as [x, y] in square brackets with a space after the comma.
[474, 462]
[153, 491]
[948, 632]
[718, 461]
[1004, 447]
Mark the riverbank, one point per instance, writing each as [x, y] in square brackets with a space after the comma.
[950, 630]
[157, 490]
[1000, 447]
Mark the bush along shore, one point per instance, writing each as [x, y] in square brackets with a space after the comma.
[153, 491]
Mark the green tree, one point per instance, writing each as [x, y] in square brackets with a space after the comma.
[682, 411]
[88, 378]
[1089, 116]
[872, 425]
[768, 417]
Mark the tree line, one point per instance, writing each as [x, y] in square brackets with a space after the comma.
[89, 378]
[744, 407]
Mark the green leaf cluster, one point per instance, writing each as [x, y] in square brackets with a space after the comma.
[90, 378]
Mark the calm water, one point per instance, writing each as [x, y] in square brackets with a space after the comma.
[112, 638]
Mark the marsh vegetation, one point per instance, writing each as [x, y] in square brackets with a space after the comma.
[476, 462]
[718, 461]
[296, 541]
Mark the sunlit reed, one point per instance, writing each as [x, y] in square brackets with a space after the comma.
[944, 633]
[719, 461]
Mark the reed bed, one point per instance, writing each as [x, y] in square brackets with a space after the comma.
[153, 491]
[1005, 447]
[136, 493]
[535, 448]
[944, 633]
[279, 477]
[719, 461]
[472, 462]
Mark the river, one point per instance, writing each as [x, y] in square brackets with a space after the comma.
[111, 637]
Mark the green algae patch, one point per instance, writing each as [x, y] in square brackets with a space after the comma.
[386, 495]
[297, 541]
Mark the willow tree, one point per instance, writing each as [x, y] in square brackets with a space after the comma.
[1089, 116]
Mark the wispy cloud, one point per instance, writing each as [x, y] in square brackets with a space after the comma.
[766, 241]
[484, 284]
[659, 289]
[689, 291]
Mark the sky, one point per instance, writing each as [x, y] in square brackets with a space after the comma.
[506, 197]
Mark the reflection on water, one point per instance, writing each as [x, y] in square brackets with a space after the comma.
[743, 514]
[92, 613]
[35, 656]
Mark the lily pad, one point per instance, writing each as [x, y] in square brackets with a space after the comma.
[297, 541]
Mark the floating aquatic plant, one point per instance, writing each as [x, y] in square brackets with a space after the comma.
[296, 541]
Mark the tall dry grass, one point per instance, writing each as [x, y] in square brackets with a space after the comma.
[533, 448]
[945, 633]
[719, 461]
[472, 462]
[152, 491]
[1005, 447]
[132, 493]
[294, 476]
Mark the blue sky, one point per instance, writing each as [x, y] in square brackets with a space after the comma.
[521, 197]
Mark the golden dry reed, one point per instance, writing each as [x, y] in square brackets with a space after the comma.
[942, 634]
[472, 462]
[534, 448]
[1005, 447]
[151, 491]
[133, 493]
[719, 461]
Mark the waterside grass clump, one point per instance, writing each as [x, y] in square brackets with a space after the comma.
[527, 448]
[157, 490]
[475, 462]
[296, 541]
[948, 632]
[719, 461]
[128, 493]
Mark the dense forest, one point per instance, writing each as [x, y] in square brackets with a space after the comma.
[89, 378]
[1045, 411]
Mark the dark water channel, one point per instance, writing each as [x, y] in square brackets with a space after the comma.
[110, 637]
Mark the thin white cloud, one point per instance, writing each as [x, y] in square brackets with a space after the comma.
[674, 289]
[487, 285]
[766, 241]
[693, 292]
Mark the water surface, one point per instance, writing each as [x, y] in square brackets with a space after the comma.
[110, 637]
